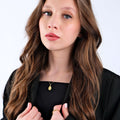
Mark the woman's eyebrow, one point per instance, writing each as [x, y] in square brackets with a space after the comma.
[47, 6]
[63, 8]
[69, 8]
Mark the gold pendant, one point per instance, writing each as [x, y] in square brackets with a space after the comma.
[50, 87]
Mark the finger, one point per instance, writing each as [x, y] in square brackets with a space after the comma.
[41, 118]
[57, 107]
[57, 116]
[38, 117]
[65, 110]
[56, 113]
[34, 111]
[27, 110]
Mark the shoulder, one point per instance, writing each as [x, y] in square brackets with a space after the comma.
[107, 74]
[110, 83]
[10, 80]
[9, 85]
[7, 91]
[109, 104]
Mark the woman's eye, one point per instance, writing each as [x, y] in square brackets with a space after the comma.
[67, 16]
[47, 13]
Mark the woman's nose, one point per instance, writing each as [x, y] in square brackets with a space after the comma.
[53, 23]
[52, 26]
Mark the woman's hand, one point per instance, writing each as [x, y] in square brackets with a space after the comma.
[30, 113]
[56, 112]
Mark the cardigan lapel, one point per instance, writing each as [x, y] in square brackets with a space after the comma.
[67, 94]
[33, 90]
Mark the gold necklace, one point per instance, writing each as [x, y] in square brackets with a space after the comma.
[50, 86]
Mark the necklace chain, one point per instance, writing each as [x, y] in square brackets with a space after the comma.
[50, 86]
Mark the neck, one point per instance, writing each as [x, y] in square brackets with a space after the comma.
[59, 62]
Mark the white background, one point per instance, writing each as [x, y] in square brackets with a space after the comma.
[14, 15]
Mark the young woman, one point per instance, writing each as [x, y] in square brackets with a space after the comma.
[61, 77]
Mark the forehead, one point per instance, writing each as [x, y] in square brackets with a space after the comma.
[61, 4]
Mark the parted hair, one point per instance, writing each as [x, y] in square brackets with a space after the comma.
[87, 68]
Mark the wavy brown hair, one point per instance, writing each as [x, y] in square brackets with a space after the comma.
[87, 68]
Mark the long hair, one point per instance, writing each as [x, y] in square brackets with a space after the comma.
[87, 68]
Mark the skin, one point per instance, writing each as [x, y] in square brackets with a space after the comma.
[30, 113]
[61, 18]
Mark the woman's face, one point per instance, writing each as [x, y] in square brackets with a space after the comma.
[59, 24]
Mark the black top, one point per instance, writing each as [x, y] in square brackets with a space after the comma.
[109, 103]
[46, 100]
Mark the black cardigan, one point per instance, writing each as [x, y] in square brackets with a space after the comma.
[109, 104]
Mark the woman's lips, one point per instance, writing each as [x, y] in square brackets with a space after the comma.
[52, 36]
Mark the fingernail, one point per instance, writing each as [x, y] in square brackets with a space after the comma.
[27, 104]
[66, 105]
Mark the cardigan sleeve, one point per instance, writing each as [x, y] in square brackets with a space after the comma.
[109, 104]
[112, 103]
[7, 93]
[70, 117]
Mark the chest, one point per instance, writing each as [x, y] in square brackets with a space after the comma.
[45, 100]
